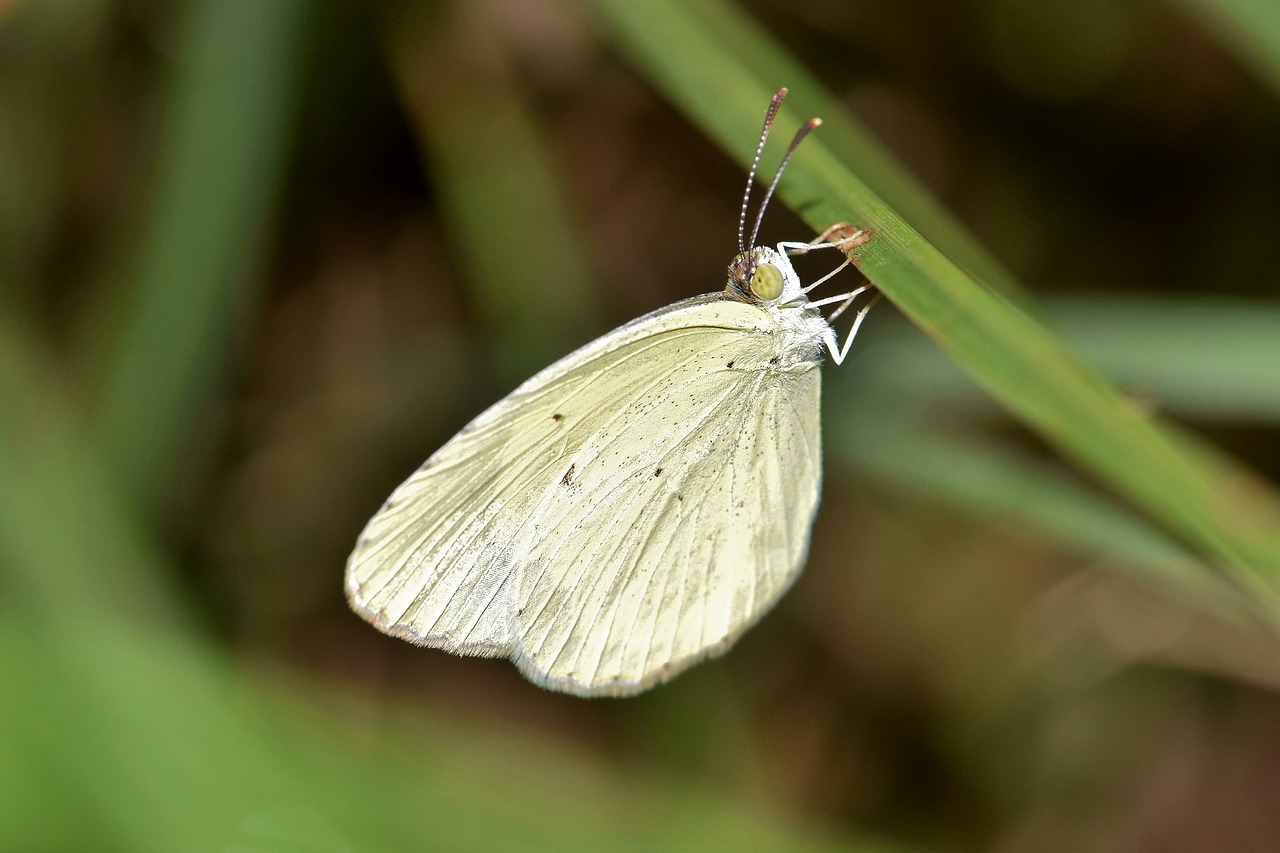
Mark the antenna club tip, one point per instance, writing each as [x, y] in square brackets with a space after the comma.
[814, 122]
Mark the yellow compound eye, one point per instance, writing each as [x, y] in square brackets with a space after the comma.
[766, 282]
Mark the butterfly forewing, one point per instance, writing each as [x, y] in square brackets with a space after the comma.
[625, 513]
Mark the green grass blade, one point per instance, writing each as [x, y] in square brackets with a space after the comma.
[1207, 358]
[219, 167]
[54, 496]
[1223, 511]
[1250, 29]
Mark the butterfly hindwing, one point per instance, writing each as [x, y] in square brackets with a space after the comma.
[698, 538]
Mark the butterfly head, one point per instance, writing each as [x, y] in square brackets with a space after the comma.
[764, 276]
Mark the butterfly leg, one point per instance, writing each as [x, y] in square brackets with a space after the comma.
[845, 298]
[839, 351]
[842, 236]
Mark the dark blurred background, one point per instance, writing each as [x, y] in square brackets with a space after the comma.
[259, 260]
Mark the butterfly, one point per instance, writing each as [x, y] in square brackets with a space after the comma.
[635, 507]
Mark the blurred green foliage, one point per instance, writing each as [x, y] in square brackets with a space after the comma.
[259, 259]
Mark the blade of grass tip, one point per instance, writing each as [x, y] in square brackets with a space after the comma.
[219, 168]
[843, 134]
[507, 217]
[1221, 509]
[1248, 29]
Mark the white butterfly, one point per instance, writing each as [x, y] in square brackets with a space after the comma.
[634, 507]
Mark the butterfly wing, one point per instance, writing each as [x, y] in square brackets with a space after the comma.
[626, 512]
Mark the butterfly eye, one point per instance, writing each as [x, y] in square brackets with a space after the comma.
[766, 282]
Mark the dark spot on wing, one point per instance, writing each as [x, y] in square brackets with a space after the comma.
[568, 476]
[775, 360]
[730, 365]
[657, 473]
[557, 417]
[679, 497]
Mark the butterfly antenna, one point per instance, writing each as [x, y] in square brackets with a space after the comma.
[777, 176]
[769, 116]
